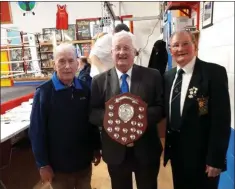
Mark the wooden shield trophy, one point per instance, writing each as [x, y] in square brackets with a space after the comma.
[125, 118]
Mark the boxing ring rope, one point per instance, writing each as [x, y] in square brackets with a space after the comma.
[12, 75]
[8, 47]
[13, 48]
[19, 61]
[10, 29]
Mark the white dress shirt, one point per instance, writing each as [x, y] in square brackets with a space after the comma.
[188, 72]
[128, 79]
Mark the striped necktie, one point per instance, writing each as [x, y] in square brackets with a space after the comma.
[175, 102]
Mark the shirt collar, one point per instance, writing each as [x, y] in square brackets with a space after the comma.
[188, 68]
[60, 86]
[129, 72]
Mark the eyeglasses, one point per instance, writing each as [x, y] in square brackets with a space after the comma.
[125, 49]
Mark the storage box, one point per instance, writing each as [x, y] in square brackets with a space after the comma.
[179, 23]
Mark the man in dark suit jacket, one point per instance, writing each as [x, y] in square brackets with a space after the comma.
[143, 156]
[198, 117]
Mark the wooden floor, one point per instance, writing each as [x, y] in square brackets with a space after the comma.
[23, 173]
[101, 180]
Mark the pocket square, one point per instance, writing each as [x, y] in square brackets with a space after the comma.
[203, 105]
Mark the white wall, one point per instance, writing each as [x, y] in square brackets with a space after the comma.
[217, 43]
[146, 31]
[45, 17]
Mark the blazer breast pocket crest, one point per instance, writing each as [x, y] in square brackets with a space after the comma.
[203, 105]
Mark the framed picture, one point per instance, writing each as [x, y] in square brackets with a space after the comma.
[207, 14]
[83, 29]
[69, 34]
[16, 55]
[48, 34]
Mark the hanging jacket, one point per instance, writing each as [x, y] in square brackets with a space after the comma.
[159, 56]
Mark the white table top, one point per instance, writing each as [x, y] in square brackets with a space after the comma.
[15, 120]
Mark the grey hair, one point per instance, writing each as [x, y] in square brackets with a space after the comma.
[64, 47]
[185, 32]
[124, 34]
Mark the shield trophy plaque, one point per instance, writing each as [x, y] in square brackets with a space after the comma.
[125, 118]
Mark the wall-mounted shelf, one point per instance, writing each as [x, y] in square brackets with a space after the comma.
[181, 6]
[185, 7]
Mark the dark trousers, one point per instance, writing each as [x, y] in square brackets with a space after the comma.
[191, 178]
[187, 175]
[121, 175]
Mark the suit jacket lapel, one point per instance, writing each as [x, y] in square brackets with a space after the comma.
[136, 79]
[113, 83]
[195, 82]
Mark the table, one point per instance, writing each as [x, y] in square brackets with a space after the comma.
[15, 120]
[13, 123]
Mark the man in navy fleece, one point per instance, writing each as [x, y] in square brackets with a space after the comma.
[63, 141]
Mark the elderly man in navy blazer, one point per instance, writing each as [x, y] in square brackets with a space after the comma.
[198, 117]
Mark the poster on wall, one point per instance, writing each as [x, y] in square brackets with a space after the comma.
[16, 55]
[83, 30]
[48, 34]
[97, 29]
[5, 8]
[207, 14]
[70, 33]
[13, 36]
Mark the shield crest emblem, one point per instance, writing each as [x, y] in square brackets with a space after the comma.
[125, 118]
